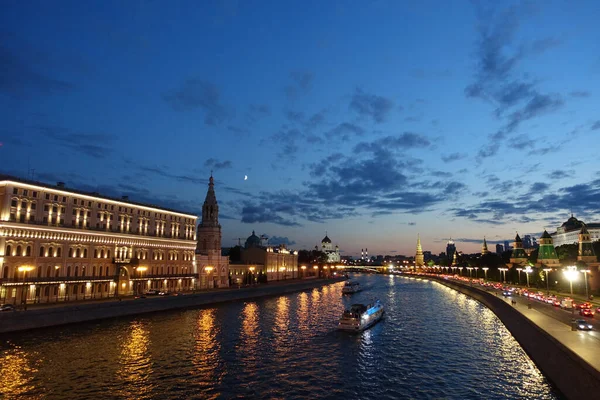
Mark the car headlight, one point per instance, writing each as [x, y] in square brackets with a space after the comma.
[581, 326]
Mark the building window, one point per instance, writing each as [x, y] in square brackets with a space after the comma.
[47, 196]
[64, 199]
[15, 191]
[68, 271]
[19, 251]
[55, 198]
[34, 193]
[13, 203]
[42, 251]
[76, 271]
[33, 206]
[70, 252]
[48, 271]
[8, 250]
[58, 251]
[28, 251]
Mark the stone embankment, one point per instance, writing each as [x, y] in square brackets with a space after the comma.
[567, 371]
[83, 312]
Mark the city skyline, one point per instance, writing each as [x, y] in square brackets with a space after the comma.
[449, 122]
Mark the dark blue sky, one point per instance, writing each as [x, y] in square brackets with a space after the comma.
[372, 120]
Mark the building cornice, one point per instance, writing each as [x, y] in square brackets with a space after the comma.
[94, 198]
[18, 230]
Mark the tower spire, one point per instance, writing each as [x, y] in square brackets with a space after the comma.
[419, 258]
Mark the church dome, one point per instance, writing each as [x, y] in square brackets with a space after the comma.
[252, 241]
[326, 239]
[571, 224]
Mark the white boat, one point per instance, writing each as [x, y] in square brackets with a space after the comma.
[360, 317]
[351, 287]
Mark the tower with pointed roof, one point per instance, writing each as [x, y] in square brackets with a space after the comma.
[518, 256]
[419, 257]
[547, 254]
[586, 250]
[455, 258]
[209, 230]
[211, 266]
[450, 249]
[484, 249]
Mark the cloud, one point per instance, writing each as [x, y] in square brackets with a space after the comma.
[371, 106]
[580, 93]
[277, 240]
[560, 174]
[539, 187]
[96, 145]
[302, 83]
[216, 164]
[196, 94]
[25, 71]
[252, 213]
[595, 126]
[404, 140]
[453, 157]
[497, 56]
[345, 131]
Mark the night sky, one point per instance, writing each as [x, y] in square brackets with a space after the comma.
[371, 120]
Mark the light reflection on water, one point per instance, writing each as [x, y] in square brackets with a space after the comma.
[433, 343]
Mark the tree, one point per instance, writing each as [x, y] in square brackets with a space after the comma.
[235, 254]
[567, 253]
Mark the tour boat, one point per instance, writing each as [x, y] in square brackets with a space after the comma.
[351, 287]
[360, 317]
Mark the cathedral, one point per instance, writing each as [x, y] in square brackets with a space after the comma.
[212, 267]
[333, 254]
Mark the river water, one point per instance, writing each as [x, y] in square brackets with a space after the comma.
[433, 343]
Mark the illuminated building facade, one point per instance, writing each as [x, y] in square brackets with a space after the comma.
[568, 232]
[278, 262]
[58, 244]
[333, 254]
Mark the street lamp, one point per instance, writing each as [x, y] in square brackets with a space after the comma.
[208, 271]
[141, 271]
[485, 270]
[585, 272]
[503, 271]
[528, 270]
[519, 269]
[571, 274]
[251, 269]
[24, 269]
[476, 272]
[470, 269]
[547, 270]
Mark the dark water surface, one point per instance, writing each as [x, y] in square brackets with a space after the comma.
[434, 343]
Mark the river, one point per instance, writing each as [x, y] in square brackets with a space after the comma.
[433, 343]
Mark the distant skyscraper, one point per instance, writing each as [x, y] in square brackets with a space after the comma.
[506, 245]
[450, 250]
[499, 249]
[484, 249]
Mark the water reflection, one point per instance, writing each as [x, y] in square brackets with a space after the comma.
[303, 313]
[16, 374]
[249, 335]
[135, 366]
[208, 365]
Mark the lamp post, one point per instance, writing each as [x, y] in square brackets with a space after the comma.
[208, 271]
[476, 272]
[528, 270]
[519, 269]
[141, 271]
[503, 272]
[547, 270]
[470, 269]
[485, 270]
[571, 274]
[24, 269]
[585, 272]
[303, 268]
[251, 278]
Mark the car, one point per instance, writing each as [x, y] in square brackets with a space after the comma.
[151, 292]
[584, 305]
[7, 307]
[586, 312]
[506, 293]
[164, 293]
[583, 325]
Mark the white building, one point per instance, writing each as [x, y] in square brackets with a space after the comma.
[58, 244]
[568, 232]
[333, 254]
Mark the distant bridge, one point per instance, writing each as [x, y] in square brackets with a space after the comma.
[376, 269]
